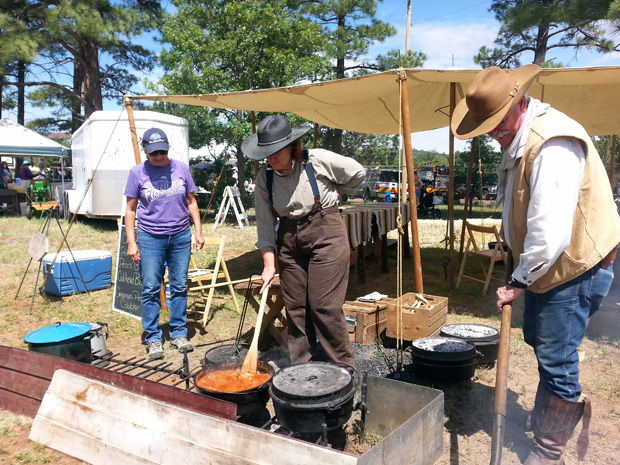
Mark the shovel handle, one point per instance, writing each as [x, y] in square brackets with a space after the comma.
[501, 377]
[501, 385]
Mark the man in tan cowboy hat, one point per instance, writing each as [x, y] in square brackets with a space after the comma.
[562, 226]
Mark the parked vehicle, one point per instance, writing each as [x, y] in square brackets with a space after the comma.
[435, 179]
[365, 190]
[387, 184]
[377, 183]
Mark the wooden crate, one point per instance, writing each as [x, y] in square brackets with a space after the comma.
[418, 322]
[370, 320]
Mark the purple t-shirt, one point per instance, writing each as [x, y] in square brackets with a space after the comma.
[162, 193]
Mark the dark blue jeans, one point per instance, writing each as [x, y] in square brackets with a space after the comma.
[155, 251]
[554, 324]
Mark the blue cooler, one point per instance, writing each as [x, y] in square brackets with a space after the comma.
[95, 271]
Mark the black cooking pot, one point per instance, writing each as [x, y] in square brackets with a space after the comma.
[484, 338]
[308, 395]
[248, 401]
[443, 358]
[66, 340]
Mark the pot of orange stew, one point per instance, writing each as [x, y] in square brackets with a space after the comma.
[227, 382]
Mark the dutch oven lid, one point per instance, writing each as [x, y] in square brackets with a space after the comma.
[471, 332]
[312, 382]
[57, 332]
[227, 353]
[444, 348]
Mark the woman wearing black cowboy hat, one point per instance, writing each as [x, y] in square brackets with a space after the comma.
[301, 190]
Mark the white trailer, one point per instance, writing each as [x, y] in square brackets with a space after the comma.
[103, 143]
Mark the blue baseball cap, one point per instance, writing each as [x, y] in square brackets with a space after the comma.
[154, 139]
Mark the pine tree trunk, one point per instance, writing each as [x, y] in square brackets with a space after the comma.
[92, 81]
[21, 99]
[76, 103]
[540, 54]
[1, 90]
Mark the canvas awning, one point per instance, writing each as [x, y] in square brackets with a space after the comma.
[370, 104]
[17, 140]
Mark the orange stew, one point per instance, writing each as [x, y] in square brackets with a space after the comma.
[231, 380]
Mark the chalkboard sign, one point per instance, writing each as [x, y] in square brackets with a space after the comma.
[127, 285]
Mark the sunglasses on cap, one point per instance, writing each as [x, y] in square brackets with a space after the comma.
[158, 152]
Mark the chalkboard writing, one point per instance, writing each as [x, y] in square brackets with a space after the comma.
[127, 285]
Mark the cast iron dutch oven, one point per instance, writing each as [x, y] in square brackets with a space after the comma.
[248, 401]
[485, 338]
[308, 395]
[444, 358]
[66, 340]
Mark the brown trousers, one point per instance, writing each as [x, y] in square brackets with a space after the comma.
[314, 272]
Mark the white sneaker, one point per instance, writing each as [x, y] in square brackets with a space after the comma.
[182, 344]
[155, 350]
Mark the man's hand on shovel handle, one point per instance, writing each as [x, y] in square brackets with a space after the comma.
[506, 295]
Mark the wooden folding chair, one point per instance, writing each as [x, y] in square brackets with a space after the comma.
[494, 255]
[199, 280]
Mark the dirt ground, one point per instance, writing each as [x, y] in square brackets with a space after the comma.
[468, 404]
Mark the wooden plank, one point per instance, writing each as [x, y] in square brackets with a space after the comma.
[44, 366]
[102, 424]
[25, 384]
[19, 404]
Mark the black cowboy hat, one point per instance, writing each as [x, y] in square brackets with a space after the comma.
[273, 134]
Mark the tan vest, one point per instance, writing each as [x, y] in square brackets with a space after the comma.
[596, 224]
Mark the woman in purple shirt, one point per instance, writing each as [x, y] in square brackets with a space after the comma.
[160, 192]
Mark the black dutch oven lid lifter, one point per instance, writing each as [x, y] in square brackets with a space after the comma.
[232, 353]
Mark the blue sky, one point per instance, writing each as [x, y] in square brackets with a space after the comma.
[449, 32]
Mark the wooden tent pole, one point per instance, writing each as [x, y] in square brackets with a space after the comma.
[136, 153]
[470, 168]
[132, 129]
[612, 161]
[413, 211]
[451, 260]
[315, 138]
[253, 120]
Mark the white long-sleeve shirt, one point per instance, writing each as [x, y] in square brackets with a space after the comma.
[555, 181]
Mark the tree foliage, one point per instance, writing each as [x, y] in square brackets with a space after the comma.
[350, 27]
[538, 26]
[263, 43]
[85, 52]
[486, 162]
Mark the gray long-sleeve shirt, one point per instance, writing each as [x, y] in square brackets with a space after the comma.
[292, 193]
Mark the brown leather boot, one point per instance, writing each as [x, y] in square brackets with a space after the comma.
[553, 422]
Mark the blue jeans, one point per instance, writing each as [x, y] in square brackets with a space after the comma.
[554, 324]
[155, 252]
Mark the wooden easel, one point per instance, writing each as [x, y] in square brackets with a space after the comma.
[231, 196]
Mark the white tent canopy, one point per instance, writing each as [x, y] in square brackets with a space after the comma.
[370, 104]
[19, 141]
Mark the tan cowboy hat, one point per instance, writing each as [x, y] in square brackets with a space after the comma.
[489, 98]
